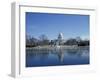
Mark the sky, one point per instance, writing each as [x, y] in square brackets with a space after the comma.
[51, 24]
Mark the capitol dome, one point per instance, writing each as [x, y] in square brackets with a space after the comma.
[60, 36]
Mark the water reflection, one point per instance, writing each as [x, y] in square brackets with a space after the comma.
[57, 57]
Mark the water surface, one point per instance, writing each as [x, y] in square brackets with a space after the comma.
[57, 57]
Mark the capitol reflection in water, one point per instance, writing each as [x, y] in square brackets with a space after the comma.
[57, 57]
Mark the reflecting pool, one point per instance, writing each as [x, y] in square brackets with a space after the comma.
[57, 57]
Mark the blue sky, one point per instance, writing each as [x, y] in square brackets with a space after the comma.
[71, 25]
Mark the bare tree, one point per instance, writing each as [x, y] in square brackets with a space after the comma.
[31, 41]
[44, 40]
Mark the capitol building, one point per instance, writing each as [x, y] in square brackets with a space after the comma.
[60, 39]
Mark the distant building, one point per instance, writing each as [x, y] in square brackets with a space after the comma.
[59, 40]
[60, 36]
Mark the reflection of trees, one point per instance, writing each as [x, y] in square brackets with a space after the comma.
[59, 53]
[72, 51]
[78, 52]
[40, 54]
